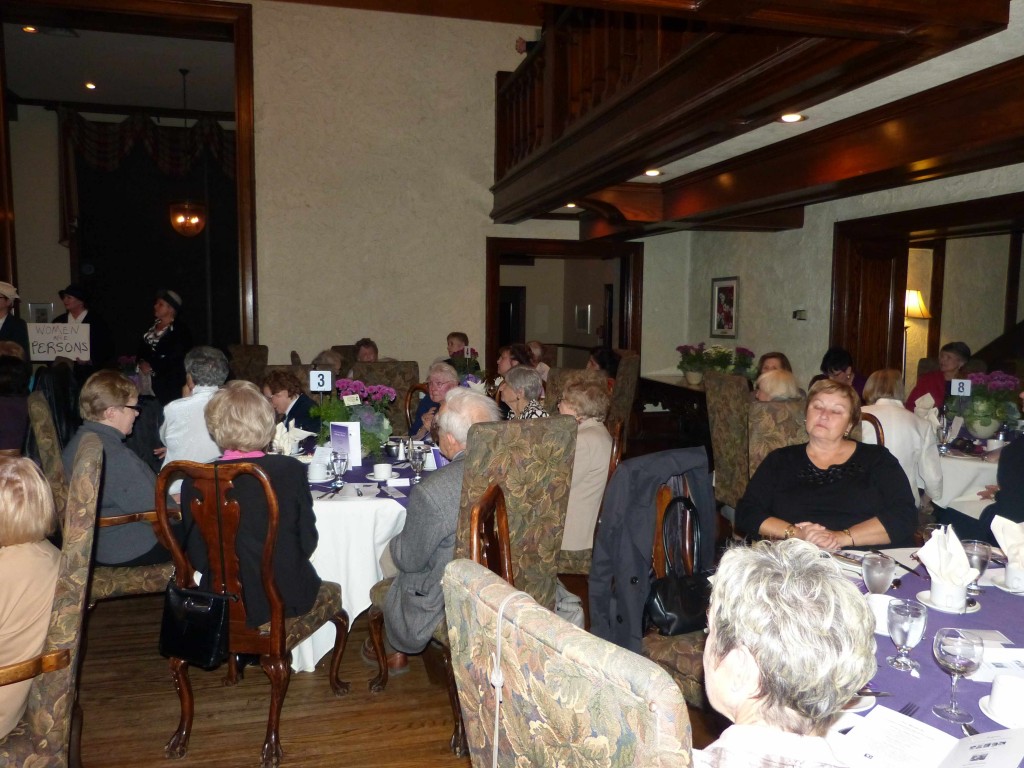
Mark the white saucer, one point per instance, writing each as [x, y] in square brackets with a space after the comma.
[376, 479]
[860, 703]
[999, 579]
[925, 597]
[1006, 723]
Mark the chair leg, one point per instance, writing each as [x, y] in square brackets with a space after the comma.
[178, 744]
[280, 672]
[379, 683]
[340, 621]
[459, 745]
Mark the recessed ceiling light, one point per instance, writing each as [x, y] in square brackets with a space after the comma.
[91, 86]
[570, 205]
[29, 30]
[652, 172]
[792, 117]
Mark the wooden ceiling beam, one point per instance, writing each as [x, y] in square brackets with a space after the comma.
[528, 12]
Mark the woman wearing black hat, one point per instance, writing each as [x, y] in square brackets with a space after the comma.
[161, 354]
[101, 345]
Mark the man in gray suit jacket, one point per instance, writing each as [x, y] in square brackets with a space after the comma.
[415, 602]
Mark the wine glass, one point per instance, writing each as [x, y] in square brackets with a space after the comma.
[978, 554]
[878, 570]
[339, 463]
[907, 620]
[959, 653]
[416, 459]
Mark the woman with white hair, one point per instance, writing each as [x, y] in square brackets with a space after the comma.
[441, 378]
[776, 385]
[241, 422]
[790, 642]
[521, 392]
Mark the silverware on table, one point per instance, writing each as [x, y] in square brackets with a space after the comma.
[876, 694]
[908, 709]
[968, 729]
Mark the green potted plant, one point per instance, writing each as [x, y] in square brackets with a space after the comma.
[692, 362]
[993, 400]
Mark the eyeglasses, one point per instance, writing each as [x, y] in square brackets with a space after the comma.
[135, 408]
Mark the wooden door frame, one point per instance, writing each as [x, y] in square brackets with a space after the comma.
[631, 279]
[171, 18]
[926, 227]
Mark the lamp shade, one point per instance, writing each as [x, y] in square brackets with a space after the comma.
[914, 306]
[188, 218]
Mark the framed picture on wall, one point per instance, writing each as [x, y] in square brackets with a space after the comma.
[39, 312]
[724, 307]
[583, 318]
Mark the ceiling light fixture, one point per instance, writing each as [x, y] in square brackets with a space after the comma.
[187, 218]
[570, 205]
[29, 30]
[91, 86]
[792, 117]
[652, 172]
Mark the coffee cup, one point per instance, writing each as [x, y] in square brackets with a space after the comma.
[1014, 577]
[994, 444]
[951, 596]
[1006, 701]
[317, 473]
[381, 471]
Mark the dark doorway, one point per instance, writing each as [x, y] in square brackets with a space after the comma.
[511, 314]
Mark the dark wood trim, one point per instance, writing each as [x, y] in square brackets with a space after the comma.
[937, 292]
[124, 109]
[169, 18]
[1012, 281]
[630, 289]
[501, 11]
[8, 256]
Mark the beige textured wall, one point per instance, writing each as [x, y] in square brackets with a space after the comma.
[374, 158]
[973, 289]
[666, 300]
[544, 283]
[919, 277]
[42, 261]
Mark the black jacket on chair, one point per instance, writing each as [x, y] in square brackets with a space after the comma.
[620, 574]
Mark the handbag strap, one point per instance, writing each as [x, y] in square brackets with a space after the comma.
[675, 564]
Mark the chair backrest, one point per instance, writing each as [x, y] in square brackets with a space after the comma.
[488, 531]
[49, 447]
[687, 542]
[616, 456]
[401, 376]
[775, 425]
[624, 389]
[412, 401]
[248, 361]
[216, 482]
[58, 386]
[294, 357]
[555, 385]
[621, 700]
[871, 419]
[532, 461]
[52, 698]
[728, 399]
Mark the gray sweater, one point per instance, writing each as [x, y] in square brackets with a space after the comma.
[127, 485]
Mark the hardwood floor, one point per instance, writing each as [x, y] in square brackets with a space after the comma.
[130, 707]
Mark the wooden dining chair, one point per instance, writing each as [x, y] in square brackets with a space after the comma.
[272, 641]
[412, 401]
[871, 419]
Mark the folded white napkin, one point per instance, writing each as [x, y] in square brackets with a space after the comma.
[944, 557]
[924, 407]
[285, 440]
[1010, 536]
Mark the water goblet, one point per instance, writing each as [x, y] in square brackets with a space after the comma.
[958, 653]
[339, 463]
[978, 554]
[906, 620]
[878, 570]
[416, 460]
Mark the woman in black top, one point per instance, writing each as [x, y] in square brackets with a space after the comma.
[831, 491]
[161, 354]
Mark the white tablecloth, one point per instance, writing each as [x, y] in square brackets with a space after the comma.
[353, 533]
[962, 478]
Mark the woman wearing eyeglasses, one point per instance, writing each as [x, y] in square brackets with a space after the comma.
[109, 404]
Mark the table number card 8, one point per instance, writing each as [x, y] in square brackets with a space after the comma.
[960, 387]
[320, 381]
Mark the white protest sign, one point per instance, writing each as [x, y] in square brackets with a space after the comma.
[48, 341]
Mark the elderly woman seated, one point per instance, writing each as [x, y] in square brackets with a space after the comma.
[441, 378]
[241, 422]
[521, 393]
[773, 361]
[790, 641]
[776, 385]
[586, 399]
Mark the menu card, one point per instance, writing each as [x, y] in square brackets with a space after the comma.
[345, 438]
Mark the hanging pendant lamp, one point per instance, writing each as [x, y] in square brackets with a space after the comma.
[187, 217]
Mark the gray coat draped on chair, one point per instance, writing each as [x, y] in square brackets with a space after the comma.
[620, 576]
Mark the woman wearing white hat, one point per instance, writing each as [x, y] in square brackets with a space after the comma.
[12, 328]
[162, 351]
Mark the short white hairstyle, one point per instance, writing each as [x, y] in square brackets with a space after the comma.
[464, 408]
[443, 371]
[524, 379]
[778, 385]
[808, 628]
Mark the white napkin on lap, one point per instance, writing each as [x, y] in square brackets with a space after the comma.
[924, 407]
[944, 557]
[285, 440]
[1010, 536]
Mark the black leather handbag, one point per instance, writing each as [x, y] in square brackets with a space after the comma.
[677, 602]
[194, 626]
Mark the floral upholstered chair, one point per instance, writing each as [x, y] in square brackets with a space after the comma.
[400, 375]
[568, 697]
[624, 391]
[775, 425]
[248, 361]
[49, 447]
[532, 462]
[43, 738]
[728, 398]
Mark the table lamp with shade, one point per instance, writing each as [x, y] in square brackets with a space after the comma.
[913, 308]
